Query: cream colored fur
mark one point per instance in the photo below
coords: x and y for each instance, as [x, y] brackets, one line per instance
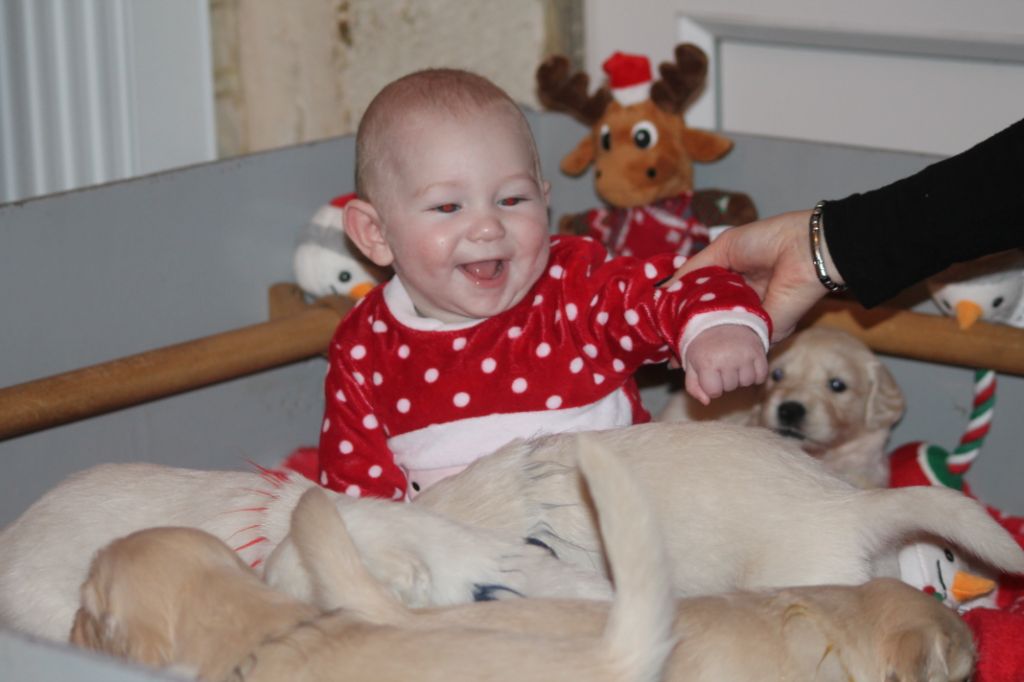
[44, 554]
[375, 637]
[741, 508]
[847, 430]
[136, 605]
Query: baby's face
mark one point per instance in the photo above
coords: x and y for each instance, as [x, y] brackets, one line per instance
[466, 218]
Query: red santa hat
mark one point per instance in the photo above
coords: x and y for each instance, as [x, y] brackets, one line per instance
[629, 76]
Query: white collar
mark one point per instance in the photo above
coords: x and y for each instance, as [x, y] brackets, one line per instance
[400, 304]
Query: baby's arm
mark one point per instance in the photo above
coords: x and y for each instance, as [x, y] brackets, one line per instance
[354, 455]
[723, 358]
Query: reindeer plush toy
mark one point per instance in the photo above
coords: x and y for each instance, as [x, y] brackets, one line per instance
[643, 153]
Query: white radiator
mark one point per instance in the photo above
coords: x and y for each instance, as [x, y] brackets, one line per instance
[90, 88]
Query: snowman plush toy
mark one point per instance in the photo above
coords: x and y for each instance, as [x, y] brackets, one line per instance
[322, 261]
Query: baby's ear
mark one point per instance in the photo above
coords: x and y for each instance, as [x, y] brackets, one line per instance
[363, 226]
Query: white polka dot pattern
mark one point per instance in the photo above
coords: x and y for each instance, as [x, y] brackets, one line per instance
[558, 354]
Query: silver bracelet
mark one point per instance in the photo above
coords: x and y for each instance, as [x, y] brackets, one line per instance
[819, 260]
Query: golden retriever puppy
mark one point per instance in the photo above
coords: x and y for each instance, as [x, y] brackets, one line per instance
[741, 508]
[882, 630]
[212, 615]
[826, 390]
[45, 553]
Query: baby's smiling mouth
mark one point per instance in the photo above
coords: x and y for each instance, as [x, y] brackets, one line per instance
[484, 270]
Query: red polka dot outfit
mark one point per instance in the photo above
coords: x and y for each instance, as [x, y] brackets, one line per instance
[665, 226]
[410, 400]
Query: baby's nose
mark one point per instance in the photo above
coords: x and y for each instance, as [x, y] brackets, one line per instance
[486, 227]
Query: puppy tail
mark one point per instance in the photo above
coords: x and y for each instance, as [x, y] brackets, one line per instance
[900, 513]
[638, 637]
[339, 577]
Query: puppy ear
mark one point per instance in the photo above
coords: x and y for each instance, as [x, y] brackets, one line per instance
[330, 557]
[364, 227]
[86, 631]
[97, 627]
[885, 402]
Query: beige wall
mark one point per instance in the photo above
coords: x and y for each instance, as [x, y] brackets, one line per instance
[291, 72]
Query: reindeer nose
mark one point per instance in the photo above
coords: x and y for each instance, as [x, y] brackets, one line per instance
[791, 413]
[651, 172]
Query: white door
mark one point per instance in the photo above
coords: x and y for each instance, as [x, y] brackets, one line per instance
[917, 75]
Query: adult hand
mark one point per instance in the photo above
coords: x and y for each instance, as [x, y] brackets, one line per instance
[774, 257]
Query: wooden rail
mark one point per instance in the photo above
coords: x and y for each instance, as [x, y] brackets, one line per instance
[298, 331]
[920, 336]
[295, 332]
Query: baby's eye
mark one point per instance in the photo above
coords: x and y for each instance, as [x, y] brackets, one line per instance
[446, 208]
[511, 201]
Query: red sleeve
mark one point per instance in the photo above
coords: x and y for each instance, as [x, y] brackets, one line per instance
[354, 455]
[629, 317]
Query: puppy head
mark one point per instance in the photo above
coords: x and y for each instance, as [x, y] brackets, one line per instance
[826, 388]
[138, 585]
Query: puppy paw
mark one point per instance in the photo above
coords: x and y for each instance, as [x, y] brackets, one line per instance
[919, 638]
[932, 653]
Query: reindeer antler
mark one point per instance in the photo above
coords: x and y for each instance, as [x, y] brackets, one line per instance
[680, 81]
[564, 92]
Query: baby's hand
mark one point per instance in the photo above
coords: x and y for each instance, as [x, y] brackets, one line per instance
[723, 358]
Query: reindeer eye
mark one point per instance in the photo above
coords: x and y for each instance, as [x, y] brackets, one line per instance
[344, 276]
[998, 302]
[645, 134]
[606, 137]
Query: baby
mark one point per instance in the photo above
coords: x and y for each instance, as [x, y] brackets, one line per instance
[492, 329]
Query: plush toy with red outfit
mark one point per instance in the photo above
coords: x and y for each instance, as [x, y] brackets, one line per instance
[325, 264]
[997, 618]
[643, 153]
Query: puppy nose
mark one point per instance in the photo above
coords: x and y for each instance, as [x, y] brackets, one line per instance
[791, 413]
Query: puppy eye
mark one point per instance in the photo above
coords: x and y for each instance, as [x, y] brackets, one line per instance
[344, 276]
[837, 385]
[998, 302]
[949, 555]
[777, 374]
[606, 137]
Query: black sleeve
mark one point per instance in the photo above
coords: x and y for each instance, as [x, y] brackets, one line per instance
[958, 209]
